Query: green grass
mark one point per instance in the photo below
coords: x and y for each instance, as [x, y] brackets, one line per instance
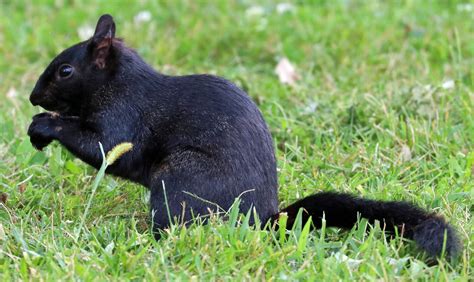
[370, 91]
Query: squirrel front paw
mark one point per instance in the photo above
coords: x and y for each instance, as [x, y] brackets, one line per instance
[43, 129]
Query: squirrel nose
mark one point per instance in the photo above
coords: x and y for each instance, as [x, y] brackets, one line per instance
[35, 98]
[37, 94]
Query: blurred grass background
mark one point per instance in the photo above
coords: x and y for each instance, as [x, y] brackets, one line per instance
[383, 108]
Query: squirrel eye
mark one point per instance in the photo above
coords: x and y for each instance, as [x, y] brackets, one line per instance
[65, 71]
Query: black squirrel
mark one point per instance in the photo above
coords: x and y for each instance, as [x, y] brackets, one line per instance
[200, 136]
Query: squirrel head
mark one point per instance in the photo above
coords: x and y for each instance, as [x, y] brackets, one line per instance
[78, 71]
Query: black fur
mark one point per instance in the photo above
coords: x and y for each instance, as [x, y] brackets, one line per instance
[342, 210]
[199, 135]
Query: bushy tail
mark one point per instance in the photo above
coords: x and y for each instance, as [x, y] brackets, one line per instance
[341, 210]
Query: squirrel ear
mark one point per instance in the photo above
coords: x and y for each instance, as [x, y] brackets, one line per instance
[102, 40]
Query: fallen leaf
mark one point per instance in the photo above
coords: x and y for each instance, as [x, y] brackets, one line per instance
[110, 248]
[33, 272]
[3, 236]
[352, 263]
[284, 7]
[448, 84]
[405, 153]
[465, 7]
[286, 72]
[142, 17]
[22, 188]
[12, 93]
[310, 108]
[397, 263]
[3, 198]
[255, 11]
[85, 32]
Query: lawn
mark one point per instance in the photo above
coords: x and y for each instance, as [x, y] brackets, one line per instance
[383, 108]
